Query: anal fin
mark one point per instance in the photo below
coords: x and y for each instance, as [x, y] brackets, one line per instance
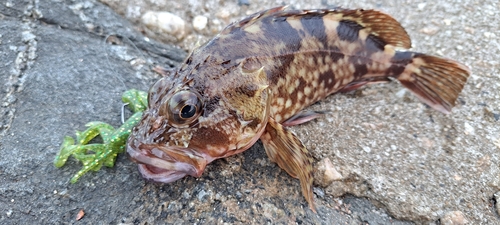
[360, 83]
[284, 148]
[302, 117]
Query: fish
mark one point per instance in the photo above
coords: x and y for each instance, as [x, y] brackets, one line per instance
[256, 77]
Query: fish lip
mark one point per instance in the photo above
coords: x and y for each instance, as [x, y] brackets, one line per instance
[165, 164]
[166, 176]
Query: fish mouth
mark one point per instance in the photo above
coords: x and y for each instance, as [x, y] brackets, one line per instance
[165, 164]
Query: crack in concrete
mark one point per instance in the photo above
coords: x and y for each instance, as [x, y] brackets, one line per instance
[23, 61]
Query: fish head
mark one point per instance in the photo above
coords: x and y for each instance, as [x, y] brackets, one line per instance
[193, 120]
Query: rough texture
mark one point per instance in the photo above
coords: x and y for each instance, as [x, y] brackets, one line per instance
[420, 165]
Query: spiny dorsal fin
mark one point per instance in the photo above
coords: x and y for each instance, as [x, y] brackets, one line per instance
[249, 20]
[381, 25]
[376, 23]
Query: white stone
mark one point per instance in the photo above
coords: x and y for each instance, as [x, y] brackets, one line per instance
[200, 23]
[421, 6]
[454, 218]
[326, 173]
[165, 22]
[469, 130]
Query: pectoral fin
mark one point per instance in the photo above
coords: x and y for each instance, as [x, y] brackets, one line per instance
[284, 148]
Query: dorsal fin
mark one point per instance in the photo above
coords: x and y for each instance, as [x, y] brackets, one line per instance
[375, 23]
[380, 25]
[249, 20]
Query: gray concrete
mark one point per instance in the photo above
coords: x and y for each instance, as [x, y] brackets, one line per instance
[402, 159]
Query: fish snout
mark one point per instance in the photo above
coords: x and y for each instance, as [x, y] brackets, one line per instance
[165, 163]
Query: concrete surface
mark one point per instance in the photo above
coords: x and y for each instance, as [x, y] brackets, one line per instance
[402, 159]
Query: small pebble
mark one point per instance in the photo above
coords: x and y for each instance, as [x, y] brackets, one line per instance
[319, 192]
[497, 199]
[469, 30]
[80, 215]
[421, 6]
[165, 22]
[453, 218]
[469, 130]
[429, 30]
[489, 34]
[201, 194]
[447, 22]
[27, 36]
[186, 195]
[223, 14]
[497, 143]
[10, 99]
[243, 2]
[326, 173]
[200, 23]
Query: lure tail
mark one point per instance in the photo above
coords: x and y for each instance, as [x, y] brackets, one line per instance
[435, 81]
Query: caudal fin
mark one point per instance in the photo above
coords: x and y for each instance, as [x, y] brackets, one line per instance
[435, 81]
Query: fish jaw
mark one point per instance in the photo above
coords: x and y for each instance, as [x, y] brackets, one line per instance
[162, 161]
[153, 174]
[167, 163]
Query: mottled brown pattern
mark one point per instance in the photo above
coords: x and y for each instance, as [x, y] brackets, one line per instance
[209, 134]
[257, 76]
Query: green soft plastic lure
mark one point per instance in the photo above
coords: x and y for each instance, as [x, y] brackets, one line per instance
[94, 155]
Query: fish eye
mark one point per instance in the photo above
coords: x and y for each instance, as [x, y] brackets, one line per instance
[184, 107]
[188, 111]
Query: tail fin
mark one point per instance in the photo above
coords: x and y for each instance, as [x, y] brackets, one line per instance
[435, 81]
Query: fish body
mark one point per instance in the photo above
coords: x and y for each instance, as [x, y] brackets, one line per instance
[257, 76]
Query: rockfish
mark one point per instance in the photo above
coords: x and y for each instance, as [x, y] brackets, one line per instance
[256, 77]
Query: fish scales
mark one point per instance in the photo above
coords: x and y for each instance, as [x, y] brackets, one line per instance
[307, 55]
[257, 76]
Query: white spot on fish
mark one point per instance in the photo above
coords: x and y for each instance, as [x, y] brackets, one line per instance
[307, 91]
[288, 103]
